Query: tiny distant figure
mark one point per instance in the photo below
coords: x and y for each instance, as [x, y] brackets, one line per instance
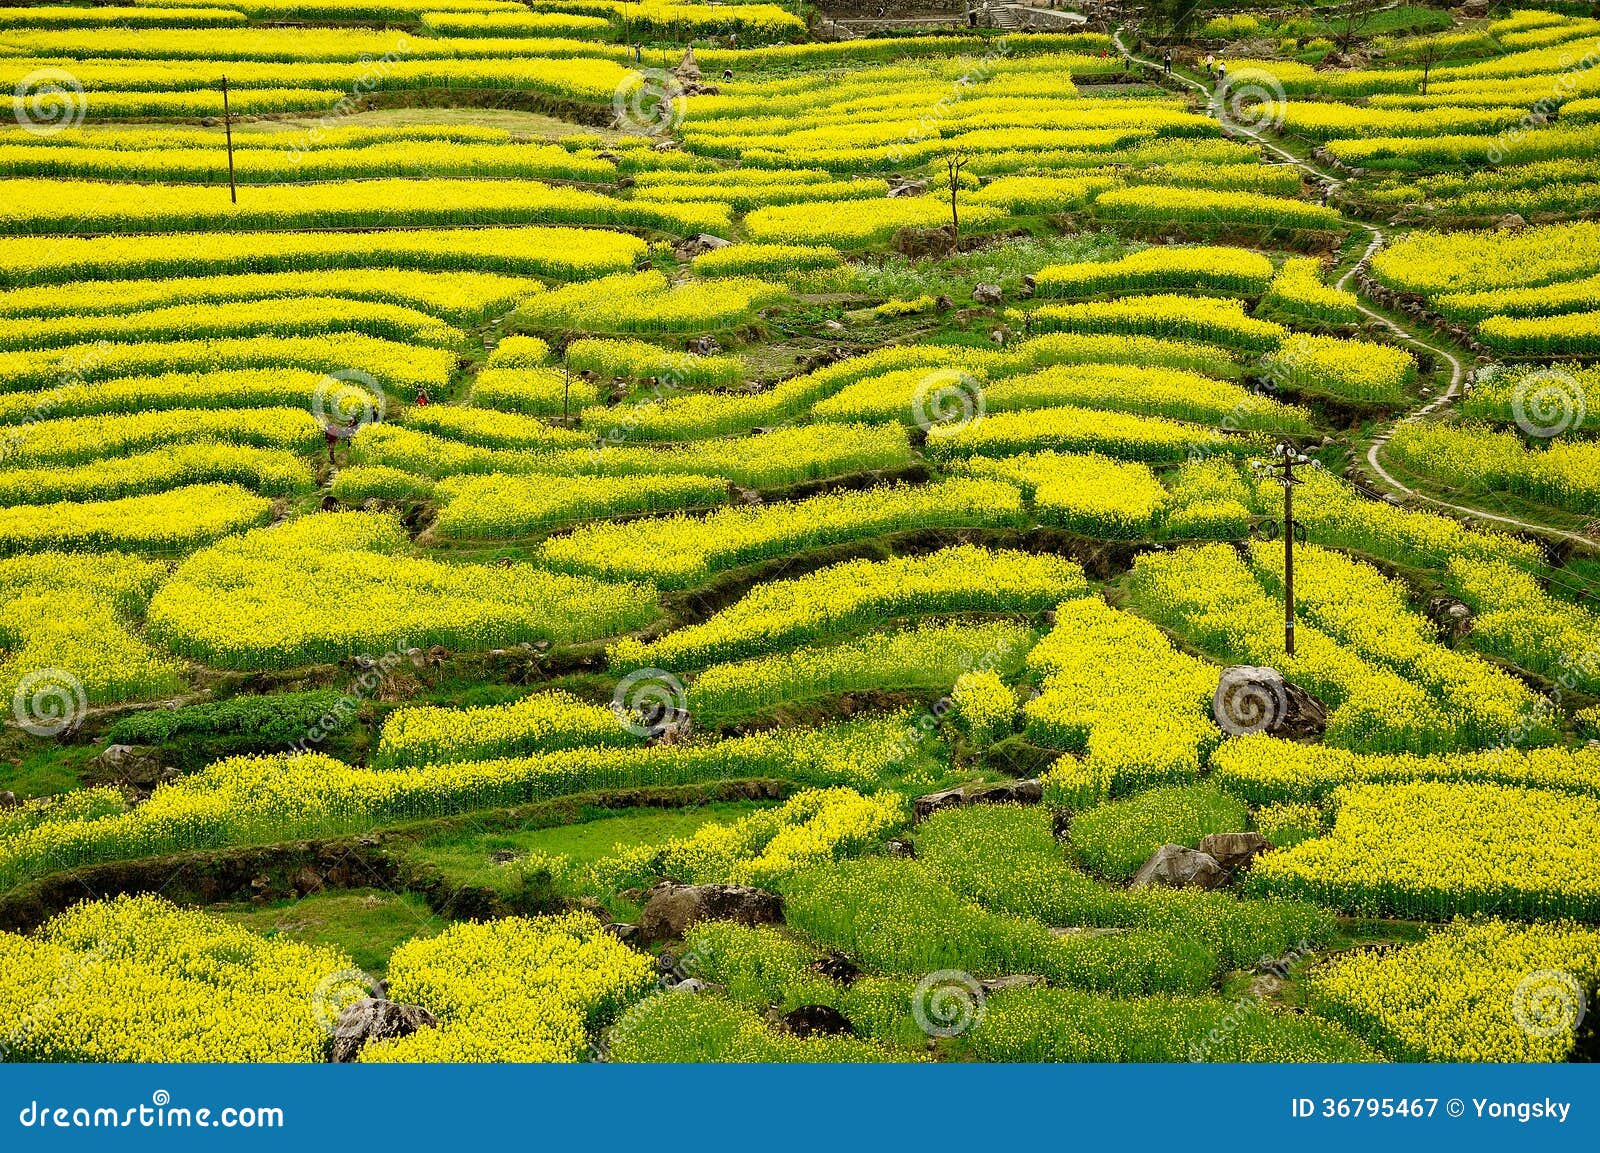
[638, 53]
[727, 75]
[1166, 62]
[972, 18]
[422, 398]
[1211, 62]
[1127, 63]
[1222, 72]
[334, 433]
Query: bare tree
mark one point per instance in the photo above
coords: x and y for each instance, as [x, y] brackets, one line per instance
[1428, 53]
[1353, 19]
[954, 162]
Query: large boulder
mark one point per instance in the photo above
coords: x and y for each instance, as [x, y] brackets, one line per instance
[1255, 699]
[1179, 868]
[816, 1021]
[1234, 851]
[374, 1019]
[1026, 792]
[672, 908]
[1452, 617]
[988, 294]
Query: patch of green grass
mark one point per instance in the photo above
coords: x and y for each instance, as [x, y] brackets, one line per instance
[34, 768]
[368, 924]
[1003, 264]
[467, 857]
[1115, 838]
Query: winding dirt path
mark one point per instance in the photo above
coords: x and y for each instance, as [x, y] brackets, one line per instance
[1379, 238]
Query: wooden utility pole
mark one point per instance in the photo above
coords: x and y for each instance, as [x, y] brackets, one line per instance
[1282, 469]
[227, 130]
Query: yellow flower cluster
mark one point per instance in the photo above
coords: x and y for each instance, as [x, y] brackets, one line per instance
[75, 439]
[1151, 390]
[294, 316]
[679, 551]
[1203, 318]
[1208, 595]
[1298, 291]
[1518, 621]
[94, 642]
[1482, 991]
[390, 363]
[426, 159]
[1479, 460]
[812, 827]
[168, 522]
[858, 595]
[859, 223]
[137, 979]
[264, 600]
[984, 706]
[561, 253]
[641, 360]
[652, 304]
[1087, 493]
[1115, 690]
[37, 207]
[269, 471]
[459, 297]
[1358, 370]
[512, 990]
[261, 800]
[1070, 429]
[538, 723]
[1214, 268]
[1264, 770]
[1205, 209]
[1433, 850]
[931, 656]
[498, 506]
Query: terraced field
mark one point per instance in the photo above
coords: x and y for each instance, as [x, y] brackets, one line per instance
[582, 530]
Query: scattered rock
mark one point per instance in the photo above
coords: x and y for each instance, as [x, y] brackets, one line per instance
[1252, 699]
[1014, 981]
[371, 1019]
[8, 800]
[1024, 792]
[836, 967]
[1452, 617]
[308, 880]
[1475, 9]
[1234, 851]
[672, 908]
[817, 1020]
[691, 985]
[988, 294]
[922, 242]
[1179, 868]
[696, 245]
[900, 847]
[833, 325]
[908, 188]
[1029, 287]
[1510, 222]
[704, 346]
[623, 931]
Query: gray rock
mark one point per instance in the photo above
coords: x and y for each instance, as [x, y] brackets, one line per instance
[1234, 851]
[988, 294]
[1510, 222]
[1453, 618]
[371, 1019]
[1024, 792]
[1256, 699]
[1179, 868]
[672, 908]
